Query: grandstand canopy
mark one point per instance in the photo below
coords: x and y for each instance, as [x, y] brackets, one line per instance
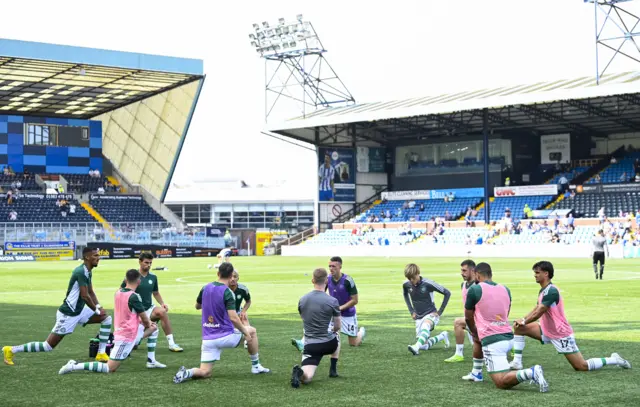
[570, 105]
[62, 81]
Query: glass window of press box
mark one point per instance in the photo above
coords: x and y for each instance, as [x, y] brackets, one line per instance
[241, 216]
[454, 157]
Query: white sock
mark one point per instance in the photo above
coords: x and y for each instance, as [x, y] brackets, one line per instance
[103, 335]
[170, 340]
[477, 366]
[599, 363]
[459, 349]
[152, 340]
[32, 347]
[255, 360]
[518, 346]
[97, 367]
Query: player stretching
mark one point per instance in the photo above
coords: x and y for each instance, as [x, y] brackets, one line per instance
[80, 307]
[147, 289]
[467, 271]
[129, 313]
[242, 293]
[418, 294]
[218, 305]
[599, 246]
[318, 311]
[554, 327]
[223, 256]
[487, 314]
[342, 287]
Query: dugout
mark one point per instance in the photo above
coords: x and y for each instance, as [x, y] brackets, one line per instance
[520, 128]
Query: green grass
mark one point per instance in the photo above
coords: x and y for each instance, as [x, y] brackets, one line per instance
[380, 373]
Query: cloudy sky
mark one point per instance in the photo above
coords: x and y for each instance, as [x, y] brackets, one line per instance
[403, 49]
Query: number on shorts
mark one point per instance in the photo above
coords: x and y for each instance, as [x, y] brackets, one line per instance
[352, 328]
[564, 343]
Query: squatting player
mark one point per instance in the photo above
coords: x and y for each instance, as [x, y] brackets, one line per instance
[554, 327]
[487, 314]
[468, 273]
[418, 295]
[147, 290]
[318, 311]
[80, 307]
[242, 294]
[129, 313]
[342, 287]
[219, 317]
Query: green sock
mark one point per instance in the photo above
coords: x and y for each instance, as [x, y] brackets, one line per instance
[423, 337]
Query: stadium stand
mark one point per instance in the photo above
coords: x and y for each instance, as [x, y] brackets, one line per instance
[43, 210]
[515, 204]
[569, 175]
[80, 183]
[376, 237]
[588, 205]
[27, 183]
[432, 208]
[620, 171]
[129, 209]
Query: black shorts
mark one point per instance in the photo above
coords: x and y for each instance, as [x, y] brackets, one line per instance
[598, 257]
[313, 352]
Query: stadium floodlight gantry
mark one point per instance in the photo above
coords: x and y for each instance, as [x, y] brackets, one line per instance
[145, 102]
[576, 106]
[616, 32]
[292, 50]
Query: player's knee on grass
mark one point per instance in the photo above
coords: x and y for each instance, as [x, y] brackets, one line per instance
[113, 365]
[576, 360]
[205, 370]
[460, 323]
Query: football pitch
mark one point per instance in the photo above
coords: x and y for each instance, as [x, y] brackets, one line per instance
[381, 372]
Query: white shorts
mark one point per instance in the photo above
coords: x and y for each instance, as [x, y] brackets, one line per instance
[495, 356]
[212, 348]
[65, 324]
[121, 350]
[566, 345]
[349, 326]
[435, 320]
[149, 311]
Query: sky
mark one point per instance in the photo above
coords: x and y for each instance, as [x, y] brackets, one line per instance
[401, 49]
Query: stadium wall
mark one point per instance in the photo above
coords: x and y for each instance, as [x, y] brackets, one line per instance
[76, 153]
[452, 250]
[143, 139]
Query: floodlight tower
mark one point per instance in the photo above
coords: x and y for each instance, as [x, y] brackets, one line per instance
[617, 31]
[296, 68]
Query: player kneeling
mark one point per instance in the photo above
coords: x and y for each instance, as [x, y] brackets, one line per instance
[242, 294]
[219, 317]
[129, 313]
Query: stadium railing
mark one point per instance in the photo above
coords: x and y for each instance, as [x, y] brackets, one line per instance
[83, 233]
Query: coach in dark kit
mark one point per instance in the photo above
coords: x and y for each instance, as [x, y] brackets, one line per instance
[317, 309]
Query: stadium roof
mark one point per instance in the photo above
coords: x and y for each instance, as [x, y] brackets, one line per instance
[65, 81]
[570, 105]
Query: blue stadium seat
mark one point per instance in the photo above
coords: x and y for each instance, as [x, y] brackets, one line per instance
[432, 208]
[516, 204]
[613, 174]
[42, 210]
[125, 210]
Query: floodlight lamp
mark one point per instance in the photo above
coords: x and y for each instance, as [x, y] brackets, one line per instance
[260, 35]
[278, 31]
[269, 33]
[292, 44]
[285, 29]
[256, 26]
[252, 36]
[281, 21]
[299, 17]
[254, 44]
[265, 24]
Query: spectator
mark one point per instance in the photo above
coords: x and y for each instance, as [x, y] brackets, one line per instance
[13, 215]
[412, 204]
[421, 209]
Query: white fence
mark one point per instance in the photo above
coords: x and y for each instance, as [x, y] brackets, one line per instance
[539, 251]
